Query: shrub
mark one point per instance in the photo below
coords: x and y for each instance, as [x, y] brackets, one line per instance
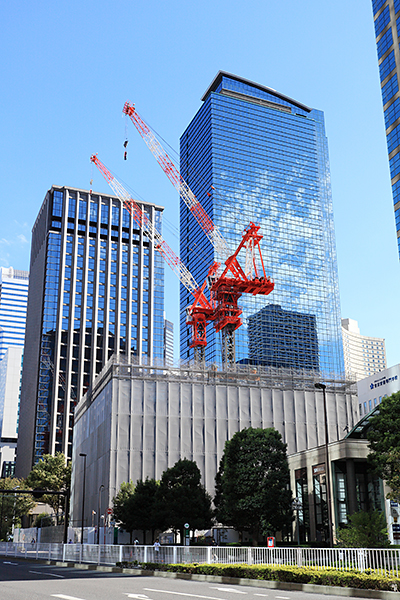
[368, 580]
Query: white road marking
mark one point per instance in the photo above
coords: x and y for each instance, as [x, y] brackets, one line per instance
[263, 595]
[50, 574]
[232, 591]
[139, 596]
[5, 562]
[282, 597]
[182, 594]
[64, 597]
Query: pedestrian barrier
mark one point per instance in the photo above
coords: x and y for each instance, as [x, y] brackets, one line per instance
[383, 561]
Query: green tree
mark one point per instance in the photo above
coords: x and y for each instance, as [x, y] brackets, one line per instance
[144, 508]
[384, 439]
[252, 483]
[120, 505]
[13, 506]
[365, 530]
[183, 499]
[51, 473]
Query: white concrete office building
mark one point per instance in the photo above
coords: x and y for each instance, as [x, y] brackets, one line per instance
[136, 422]
[363, 355]
[13, 302]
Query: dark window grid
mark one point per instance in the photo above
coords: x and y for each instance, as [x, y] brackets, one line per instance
[385, 43]
[389, 89]
[392, 113]
[387, 66]
[393, 139]
[377, 4]
[394, 165]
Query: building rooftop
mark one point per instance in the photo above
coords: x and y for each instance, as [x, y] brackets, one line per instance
[218, 78]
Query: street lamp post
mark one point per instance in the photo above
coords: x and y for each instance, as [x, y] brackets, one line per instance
[101, 488]
[322, 386]
[15, 501]
[297, 505]
[83, 494]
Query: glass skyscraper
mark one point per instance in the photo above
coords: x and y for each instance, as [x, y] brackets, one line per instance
[253, 154]
[13, 301]
[97, 287]
[387, 31]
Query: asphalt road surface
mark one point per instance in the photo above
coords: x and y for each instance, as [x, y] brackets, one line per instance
[20, 580]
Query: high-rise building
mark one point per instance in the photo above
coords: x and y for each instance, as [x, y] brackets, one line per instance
[387, 30]
[252, 154]
[168, 342]
[13, 301]
[10, 387]
[97, 287]
[363, 355]
[283, 339]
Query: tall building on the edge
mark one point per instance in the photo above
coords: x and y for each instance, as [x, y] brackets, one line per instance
[10, 388]
[363, 355]
[252, 154]
[97, 287]
[13, 301]
[387, 31]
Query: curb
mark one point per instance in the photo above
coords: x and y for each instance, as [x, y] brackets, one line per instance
[258, 583]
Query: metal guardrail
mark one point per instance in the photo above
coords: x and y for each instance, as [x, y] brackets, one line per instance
[383, 561]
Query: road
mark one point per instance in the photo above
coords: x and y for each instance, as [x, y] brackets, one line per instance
[20, 580]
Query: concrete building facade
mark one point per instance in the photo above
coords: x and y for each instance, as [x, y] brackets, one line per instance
[136, 422]
[363, 355]
[10, 387]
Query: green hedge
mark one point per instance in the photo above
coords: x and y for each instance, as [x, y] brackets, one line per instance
[368, 580]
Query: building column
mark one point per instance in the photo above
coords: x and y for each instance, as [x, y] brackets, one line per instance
[351, 486]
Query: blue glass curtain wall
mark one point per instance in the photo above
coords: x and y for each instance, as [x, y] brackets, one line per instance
[247, 161]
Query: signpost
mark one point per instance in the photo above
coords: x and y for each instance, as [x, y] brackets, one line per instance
[187, 532]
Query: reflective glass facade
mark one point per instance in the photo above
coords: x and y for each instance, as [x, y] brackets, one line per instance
[99, 287]
[252, 154]
[387, 30]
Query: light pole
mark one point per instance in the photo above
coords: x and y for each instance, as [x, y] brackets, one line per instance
[83, 494]
[15, 501]
[297, 505]
[101, 488]
[322, 386]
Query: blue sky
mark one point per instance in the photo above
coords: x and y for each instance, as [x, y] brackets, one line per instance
[68, 67]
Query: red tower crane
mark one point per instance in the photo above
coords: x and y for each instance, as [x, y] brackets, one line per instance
[227, 287]
[202, 310]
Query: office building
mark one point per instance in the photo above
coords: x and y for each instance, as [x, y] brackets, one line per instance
[373, 388]
[13, 301]
[363, 355]
[136, 422]
[10, 387]
[387, 29]
[281, 338]
[168, 342]
[252, 154]
[97, 287]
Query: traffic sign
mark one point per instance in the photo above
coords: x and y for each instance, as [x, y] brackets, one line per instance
[186, 525]
[109, 511]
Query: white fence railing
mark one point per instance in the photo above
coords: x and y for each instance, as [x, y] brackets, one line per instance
[383, 561]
